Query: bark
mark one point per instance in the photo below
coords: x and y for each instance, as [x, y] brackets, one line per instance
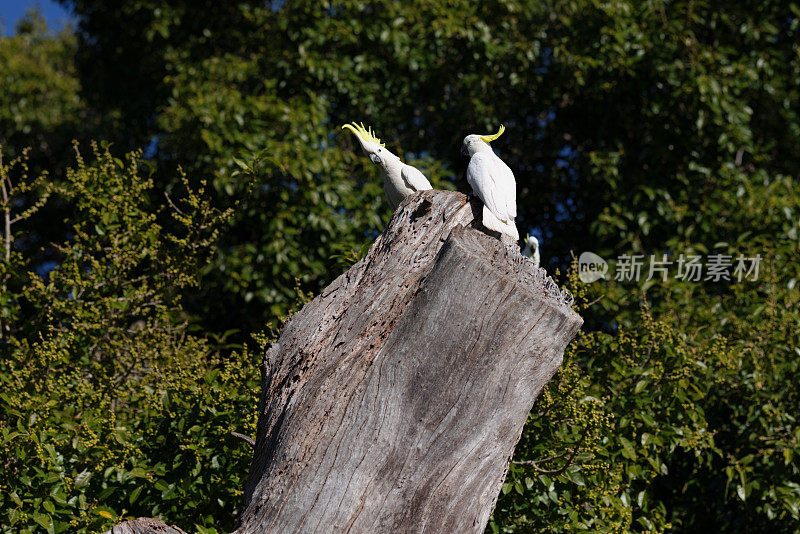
[393, 401]
[144, 525]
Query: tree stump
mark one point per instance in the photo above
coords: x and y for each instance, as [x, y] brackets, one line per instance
[393, 401]
[144, 525]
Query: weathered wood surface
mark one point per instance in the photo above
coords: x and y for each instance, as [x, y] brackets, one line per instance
[393, 401]
[144, 525]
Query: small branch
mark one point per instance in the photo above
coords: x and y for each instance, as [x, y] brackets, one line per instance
[6, 229]
[738, 159]
[250, 441]
[564, 467]
[595, 301]
[6, 214]
[176, 208]
[537, 462]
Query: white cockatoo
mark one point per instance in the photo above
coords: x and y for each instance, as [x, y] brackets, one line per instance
[399, 179]
[532, 249]
[493, 182]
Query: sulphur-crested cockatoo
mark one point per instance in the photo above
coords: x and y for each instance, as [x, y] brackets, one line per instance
[532, 249]
[399, 179]
[493, 182]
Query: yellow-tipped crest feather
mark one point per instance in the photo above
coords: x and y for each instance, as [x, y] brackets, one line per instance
[364, 133]
[490, 138]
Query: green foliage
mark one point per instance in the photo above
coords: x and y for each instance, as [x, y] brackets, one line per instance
[40, 102]
[633, 127]
[750, 398]
[304, 201]
[111, 409]
[16, 186]
[623, 117]
[314, 195]
[605, 429]
[677, 421]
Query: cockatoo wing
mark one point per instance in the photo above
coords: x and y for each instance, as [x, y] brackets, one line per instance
[493, 223]
[414, 178]
[493, 182]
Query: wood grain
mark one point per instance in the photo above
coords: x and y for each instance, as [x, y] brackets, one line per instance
[393, 401]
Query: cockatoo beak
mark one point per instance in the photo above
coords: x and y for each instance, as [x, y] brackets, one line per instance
[464, 150]
[374, 158]
[369, 143]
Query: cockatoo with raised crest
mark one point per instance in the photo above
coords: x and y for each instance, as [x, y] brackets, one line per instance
[399, 180]
[493, 182]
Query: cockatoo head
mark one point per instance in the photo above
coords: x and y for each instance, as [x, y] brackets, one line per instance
[531, 243]
[371, 144]
[476, 143]
[531, 249]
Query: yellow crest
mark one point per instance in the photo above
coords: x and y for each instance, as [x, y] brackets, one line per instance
[490, 138]
[364, 133]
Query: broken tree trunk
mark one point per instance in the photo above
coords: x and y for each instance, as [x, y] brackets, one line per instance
[144, 525]
[393, 401]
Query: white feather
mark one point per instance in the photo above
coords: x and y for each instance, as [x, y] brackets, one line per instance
[493, 182]
[491, 222]
[399, 179]
[414, 178]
